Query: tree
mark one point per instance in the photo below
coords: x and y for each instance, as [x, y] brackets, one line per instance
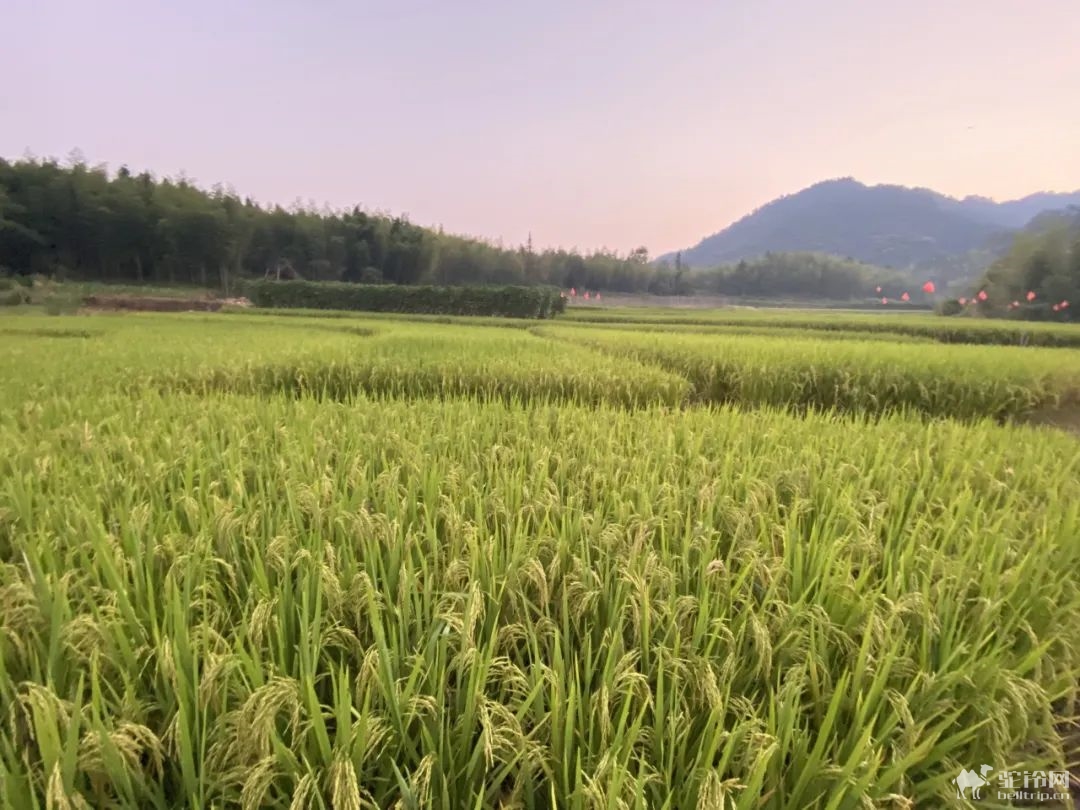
[1045, 262]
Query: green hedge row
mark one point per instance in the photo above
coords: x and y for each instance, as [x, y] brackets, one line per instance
[510, 302]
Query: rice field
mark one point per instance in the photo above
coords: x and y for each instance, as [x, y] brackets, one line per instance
[365, 563]
[861, 376]
[957, 329]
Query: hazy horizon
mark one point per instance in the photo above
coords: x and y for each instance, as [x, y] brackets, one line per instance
[613, 126]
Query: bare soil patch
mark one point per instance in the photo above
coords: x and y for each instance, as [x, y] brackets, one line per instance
[139, 303]
[1067, 419]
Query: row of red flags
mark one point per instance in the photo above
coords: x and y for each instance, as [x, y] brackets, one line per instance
[573, 294]
[929, 288]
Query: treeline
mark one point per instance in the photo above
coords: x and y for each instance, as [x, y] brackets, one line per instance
[802, 276]
[85, 223]
[793, 275]
[1044, 261]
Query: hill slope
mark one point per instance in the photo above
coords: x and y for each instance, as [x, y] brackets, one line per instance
[1018, 213]
[890, 226]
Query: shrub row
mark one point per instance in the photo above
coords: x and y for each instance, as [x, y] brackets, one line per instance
[511, 302]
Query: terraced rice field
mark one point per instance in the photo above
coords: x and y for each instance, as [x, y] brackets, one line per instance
[364, 563]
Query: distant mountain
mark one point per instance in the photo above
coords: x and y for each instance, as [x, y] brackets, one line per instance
[1064, 217]
[890, 226]
[1018, 213]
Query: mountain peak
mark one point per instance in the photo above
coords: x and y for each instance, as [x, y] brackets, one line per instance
[887, 225]
[837, 182]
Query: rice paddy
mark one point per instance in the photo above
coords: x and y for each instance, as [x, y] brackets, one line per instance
[365, 563]
[861, 376]
[958, 329]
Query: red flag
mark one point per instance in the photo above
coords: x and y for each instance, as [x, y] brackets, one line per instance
[982, 295]
[929, 288]
[905, 297]
[1030, 295]
[1063, 304]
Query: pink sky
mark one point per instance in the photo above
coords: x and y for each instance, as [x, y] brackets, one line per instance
[589, 124]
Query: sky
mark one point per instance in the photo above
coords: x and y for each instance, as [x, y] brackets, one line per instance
[586, 123]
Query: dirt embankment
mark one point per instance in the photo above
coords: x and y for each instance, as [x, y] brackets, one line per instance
[139, 303]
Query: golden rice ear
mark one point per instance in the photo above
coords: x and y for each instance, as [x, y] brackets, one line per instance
[304, 794]
[343, 786]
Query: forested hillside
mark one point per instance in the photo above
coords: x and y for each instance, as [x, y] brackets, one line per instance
[802, 276]
[82, 222]
[1039, 278]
